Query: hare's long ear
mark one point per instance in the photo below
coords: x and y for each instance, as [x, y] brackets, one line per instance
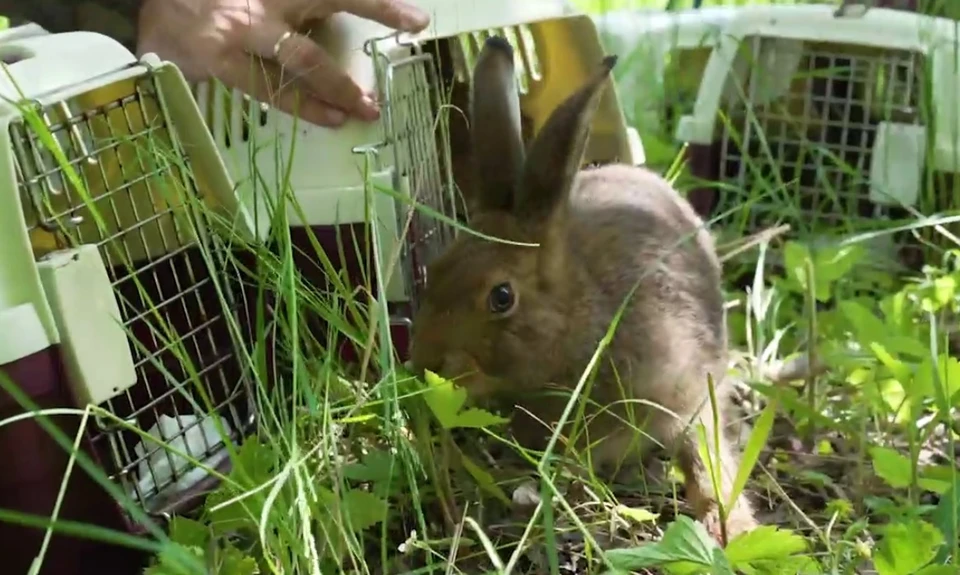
[558, 149]
[495, 125]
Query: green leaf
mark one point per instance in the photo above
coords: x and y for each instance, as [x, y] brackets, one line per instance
[636, 514]
[872, 331]
[866, 326]
[946, 289]
[252, 467]
[751, 452]
[225, 514]
[897, 310]
[364, 509]
[484, 479]
[940, 385]
[908, 345]
[721, 565]
[188, 532]
[829, 264]
[234, 516]
[232, 561]
[445, 401]
[361, 509]
[377, 467]
[795, 256]
[255, 462]
[899, 369]
[896, 470]
[766, 542]
[892, 467]
[906, 548]
[895, 399]
[684, 541]
[938, 570]
[946, 518]
[636, 558]
[813, 477]
[794, 565]
[835, 262]
[478, 418]
[167, 564]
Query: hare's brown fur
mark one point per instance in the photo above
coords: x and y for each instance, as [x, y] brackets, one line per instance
[600, 232]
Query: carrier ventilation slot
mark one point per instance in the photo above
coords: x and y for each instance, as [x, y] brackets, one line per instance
[525, 57]
[798, 139]
[209, 95]
[814, 131]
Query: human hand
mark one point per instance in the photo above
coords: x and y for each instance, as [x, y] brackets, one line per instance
[289, 71]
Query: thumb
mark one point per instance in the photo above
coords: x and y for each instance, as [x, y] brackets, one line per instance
[154, 35]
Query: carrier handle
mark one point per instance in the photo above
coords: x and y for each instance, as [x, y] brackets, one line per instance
[35, 66]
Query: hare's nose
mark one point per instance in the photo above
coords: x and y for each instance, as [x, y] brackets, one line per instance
[433, 364]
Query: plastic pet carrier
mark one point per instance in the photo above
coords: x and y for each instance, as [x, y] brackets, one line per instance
[420, 147]
[833, 121]
[663, 56]
[115, 288]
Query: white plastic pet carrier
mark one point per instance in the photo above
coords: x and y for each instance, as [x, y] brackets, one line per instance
[663, 55]
[420, 146]
[110, 271]
[837, 123]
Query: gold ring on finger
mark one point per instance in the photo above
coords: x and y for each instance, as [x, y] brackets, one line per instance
[279, 44]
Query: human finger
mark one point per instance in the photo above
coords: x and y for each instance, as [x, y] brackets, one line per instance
[314, 67]
[265, 82]
[396, 14]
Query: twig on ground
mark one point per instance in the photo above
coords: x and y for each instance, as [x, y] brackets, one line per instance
[737, 247]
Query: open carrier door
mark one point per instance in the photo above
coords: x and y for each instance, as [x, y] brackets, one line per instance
[117, 294]
[333, 181]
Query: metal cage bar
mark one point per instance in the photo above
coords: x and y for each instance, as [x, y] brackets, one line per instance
[412, 102]
[816, 140]
[132, 194]
[412, 91]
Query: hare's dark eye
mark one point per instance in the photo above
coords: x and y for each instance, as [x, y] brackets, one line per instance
[501, 298]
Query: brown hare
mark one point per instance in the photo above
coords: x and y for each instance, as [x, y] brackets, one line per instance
[505, 321]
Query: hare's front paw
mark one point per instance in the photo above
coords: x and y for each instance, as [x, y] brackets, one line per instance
[737, 523]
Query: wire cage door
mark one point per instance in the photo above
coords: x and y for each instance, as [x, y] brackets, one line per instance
[124, 184]
[802, 148]
[416, 139]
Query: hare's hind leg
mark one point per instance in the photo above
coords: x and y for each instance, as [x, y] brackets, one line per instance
[702, 490]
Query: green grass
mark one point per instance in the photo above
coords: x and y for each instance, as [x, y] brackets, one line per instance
[368, 470]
